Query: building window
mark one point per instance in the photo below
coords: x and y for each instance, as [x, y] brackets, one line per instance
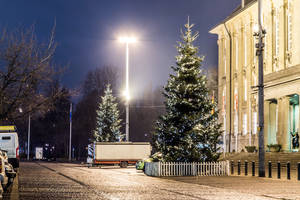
[254, 78]
[245, 124]
[236, 53]
[275, 39]
[276, 36]
[245, 88]
[254, 30]
[245, 48]
[288, 29]
[254, 122]
[224, 57]
[224, 108]
[236, 119]
[266, 49]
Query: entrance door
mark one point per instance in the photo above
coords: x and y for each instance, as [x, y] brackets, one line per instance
[293, 122]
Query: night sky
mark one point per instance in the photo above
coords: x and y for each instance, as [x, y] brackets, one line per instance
[87, 33]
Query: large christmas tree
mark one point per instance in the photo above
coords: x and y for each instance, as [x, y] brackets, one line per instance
[108, 119]
[189, 130]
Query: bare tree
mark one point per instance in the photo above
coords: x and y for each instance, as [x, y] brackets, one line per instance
[144, 112]
[97, 79]
[27, 74]
[85, 112]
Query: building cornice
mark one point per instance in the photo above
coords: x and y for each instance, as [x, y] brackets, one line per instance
[236, 12]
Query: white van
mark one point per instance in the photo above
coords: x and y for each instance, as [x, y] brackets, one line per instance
[9, 142]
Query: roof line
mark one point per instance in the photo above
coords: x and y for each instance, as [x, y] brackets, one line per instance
[235, 13]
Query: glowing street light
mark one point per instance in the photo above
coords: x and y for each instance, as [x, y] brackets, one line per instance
[126, 95]
[127, 41]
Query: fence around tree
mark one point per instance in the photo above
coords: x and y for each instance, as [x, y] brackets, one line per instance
[187, 169]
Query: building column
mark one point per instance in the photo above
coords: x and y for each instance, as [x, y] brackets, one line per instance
[266, 122]
[283, 118]
[299, 116]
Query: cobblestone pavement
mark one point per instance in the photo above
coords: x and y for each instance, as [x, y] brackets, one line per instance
[71, 181]
[276, 189]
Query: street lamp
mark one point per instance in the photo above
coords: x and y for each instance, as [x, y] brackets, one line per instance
[28, 136]
[259, 52]
[127, 41]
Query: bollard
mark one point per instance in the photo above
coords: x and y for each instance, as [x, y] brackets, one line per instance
[253, 168]
[239, 167]
[246, 168]
[270, 169]
[298, 171]
[288, 170]
[278, 170]
[232, 167]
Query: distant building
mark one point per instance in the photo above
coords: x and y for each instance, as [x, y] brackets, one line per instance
[237, 82]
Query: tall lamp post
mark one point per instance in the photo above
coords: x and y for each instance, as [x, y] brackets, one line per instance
[127, 41]
[70, 140]
[28, 138]
[260, 48]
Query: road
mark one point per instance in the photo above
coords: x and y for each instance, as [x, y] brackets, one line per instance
[42, 180]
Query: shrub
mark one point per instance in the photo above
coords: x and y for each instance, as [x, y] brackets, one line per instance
[274, 147]
[250, 149]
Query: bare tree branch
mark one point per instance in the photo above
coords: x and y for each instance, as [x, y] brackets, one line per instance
[26, 73]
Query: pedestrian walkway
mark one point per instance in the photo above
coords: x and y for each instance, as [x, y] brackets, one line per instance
[273, 188]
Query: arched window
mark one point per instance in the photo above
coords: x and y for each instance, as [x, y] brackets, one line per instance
[224, 108]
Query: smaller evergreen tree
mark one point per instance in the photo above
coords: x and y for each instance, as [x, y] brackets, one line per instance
[108, 119]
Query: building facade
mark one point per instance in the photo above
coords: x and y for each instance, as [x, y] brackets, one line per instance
[238, 74]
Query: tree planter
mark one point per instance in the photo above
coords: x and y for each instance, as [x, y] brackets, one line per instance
[274, 147]
[250, 149]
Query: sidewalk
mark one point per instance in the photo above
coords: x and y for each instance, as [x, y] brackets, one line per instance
[274, 188]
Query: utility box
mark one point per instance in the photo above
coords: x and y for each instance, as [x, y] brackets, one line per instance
[39, 153]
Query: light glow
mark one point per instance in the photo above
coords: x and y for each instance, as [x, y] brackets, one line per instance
[127, 39]
[126, 95]
[255, 28]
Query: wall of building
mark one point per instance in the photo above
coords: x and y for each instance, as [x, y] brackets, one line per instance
[281, 69]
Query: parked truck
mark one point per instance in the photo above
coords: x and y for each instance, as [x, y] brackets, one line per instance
[117, 153]
[9, 142]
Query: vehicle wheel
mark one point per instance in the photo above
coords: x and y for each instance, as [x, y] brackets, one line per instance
[123, 164]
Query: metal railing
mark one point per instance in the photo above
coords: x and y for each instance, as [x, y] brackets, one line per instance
[193, 169]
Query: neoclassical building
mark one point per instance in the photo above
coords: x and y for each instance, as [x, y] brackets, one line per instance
[238, 74]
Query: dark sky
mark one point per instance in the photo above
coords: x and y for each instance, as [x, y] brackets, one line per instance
[87, 32]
